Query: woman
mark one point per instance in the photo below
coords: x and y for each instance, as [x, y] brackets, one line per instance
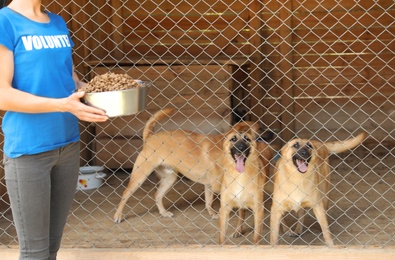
[41, 133]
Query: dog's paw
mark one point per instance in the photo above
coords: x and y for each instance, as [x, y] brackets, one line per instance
[166, 214]
[214, 216]
[117, 219]
[237, 234]
[291, 233]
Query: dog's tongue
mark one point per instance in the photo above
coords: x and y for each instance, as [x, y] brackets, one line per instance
[240, 163]
[302, 166]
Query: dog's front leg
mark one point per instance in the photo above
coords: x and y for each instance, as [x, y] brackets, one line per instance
[223, 222]
[209, 198]
[275, 222]
[258, 223]
[320, 214]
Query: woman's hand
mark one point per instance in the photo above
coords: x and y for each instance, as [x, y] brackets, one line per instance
[82, 111]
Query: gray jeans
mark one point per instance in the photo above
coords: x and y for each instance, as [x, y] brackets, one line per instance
[41, 188]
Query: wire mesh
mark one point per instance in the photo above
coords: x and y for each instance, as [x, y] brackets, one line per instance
[312, 69]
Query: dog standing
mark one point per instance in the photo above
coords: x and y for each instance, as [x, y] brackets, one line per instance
[302, 179]
[168, 153]
[246, 172]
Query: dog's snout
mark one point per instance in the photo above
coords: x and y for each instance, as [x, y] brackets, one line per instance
[304, 153]
[241, 146]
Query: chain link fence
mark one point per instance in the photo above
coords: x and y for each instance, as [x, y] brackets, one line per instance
[313, 69]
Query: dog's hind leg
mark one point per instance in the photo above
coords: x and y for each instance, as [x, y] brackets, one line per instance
[141, 170]
[240, 222]
[286, 228]
[299, 225]
[167, 178]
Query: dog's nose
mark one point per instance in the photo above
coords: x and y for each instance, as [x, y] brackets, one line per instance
[241, 146]
[304, 153]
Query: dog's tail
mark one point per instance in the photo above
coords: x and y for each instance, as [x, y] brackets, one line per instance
[149, 127]
[342, 146]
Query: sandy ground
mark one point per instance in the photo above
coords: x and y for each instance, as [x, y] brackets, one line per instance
[361, 211]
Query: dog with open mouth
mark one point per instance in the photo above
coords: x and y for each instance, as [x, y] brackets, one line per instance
[245, 172]
[196, 156]
[302, 180]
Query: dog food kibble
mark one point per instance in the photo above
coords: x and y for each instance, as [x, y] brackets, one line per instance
[111, 82]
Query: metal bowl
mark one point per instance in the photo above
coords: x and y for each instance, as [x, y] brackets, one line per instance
[121, 102]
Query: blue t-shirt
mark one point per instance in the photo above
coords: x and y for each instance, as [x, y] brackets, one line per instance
[43, 67]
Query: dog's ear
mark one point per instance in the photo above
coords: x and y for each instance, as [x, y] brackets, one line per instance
[265, 136]
[283, 149]
[239, 114]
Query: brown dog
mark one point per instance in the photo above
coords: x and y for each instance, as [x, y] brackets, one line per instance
[168, 153]
[245, 172]
[302, 179]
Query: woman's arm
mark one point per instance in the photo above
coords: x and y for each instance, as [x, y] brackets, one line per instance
[15, 100]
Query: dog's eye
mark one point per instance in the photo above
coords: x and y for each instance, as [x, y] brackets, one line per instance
[247, 139]
[296, 145]
[233, 139]
[309, 146]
